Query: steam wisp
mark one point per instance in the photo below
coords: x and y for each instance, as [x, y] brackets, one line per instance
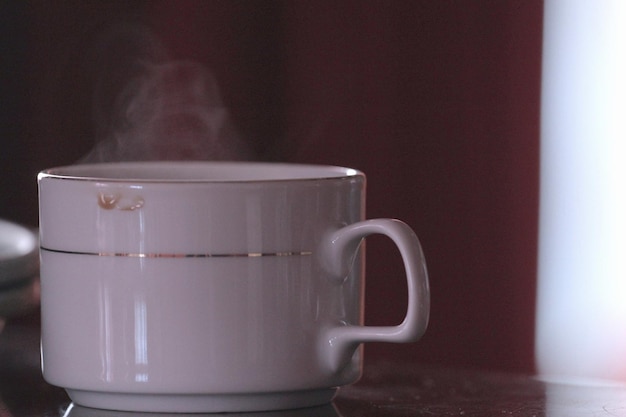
[166, 110]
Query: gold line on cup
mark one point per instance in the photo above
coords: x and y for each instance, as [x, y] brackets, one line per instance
[181, 255]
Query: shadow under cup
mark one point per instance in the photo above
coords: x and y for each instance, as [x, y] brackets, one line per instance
[210, 286]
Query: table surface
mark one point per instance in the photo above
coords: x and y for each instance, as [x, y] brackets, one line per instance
[386, 389]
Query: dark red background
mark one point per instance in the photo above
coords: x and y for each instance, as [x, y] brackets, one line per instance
[437, 101]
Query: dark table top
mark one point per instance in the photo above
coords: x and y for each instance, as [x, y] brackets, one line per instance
[386, 389]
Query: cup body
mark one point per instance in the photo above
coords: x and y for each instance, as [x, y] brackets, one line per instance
[210, 286]
[196, 279]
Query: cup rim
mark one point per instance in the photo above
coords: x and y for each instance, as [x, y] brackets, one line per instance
[168, 172]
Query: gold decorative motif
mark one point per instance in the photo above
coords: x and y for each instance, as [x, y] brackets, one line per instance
[107, 201]
[110, 201]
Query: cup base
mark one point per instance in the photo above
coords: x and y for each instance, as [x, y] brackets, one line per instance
[201, 403]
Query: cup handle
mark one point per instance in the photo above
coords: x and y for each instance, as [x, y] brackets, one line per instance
[340, 342]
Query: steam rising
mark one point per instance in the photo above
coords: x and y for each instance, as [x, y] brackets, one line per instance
[163, 110]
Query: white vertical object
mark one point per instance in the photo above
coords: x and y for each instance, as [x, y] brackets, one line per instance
[581, 305]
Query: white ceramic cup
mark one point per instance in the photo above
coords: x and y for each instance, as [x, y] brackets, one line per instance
[206, 287]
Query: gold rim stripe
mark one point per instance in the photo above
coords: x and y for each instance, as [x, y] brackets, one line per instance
[181, 255]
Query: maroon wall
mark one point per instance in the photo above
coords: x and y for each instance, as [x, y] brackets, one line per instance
[437, 101]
